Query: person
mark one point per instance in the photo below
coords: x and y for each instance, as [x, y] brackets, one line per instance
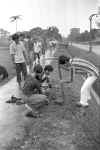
[43, 75]
[48, 69]
[33, 94]
[19, 58]
[37, 51]
[26, 42]
[88, 71]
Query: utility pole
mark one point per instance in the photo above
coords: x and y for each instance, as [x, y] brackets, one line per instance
[90, 42]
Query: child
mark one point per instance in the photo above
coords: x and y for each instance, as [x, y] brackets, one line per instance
[46, 85]
[33, 93]
[43, 76]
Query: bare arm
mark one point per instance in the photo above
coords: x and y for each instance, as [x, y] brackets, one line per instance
[26, 58]
[13, 58]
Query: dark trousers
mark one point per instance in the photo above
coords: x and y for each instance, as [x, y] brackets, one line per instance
[21, 71]
[36, 55]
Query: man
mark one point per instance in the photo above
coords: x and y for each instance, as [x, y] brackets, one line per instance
[19, 58]
[37, 50]
[89, 71]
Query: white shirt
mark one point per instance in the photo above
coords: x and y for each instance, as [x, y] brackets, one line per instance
[17, 50]
[37, 47]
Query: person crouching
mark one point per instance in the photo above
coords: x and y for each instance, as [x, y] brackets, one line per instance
[32, 94]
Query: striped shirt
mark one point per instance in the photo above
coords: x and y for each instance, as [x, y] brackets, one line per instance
[85, 66]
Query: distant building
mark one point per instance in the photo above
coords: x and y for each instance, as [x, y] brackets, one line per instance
[75, 31]
[4, 33]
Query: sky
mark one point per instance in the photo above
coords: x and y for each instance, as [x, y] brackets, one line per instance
[64, 14]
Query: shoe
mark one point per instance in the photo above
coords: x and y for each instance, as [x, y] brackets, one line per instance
[13, 99]
[59, 102]
[20, 102]
[33, 115]
[81, 105]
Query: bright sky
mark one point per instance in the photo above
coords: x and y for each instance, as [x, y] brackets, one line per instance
[64, 14]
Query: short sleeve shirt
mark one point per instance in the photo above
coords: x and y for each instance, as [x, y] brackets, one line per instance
[17, 50]
[37, 47]
[82, 64]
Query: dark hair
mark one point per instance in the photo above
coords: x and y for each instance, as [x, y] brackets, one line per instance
[38, 68]
[63, 59]
[22, 35]
[15, 36]
[48, 68]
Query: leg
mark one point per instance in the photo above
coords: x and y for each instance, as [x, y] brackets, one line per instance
[24, 70]
[18, 72]
[38, 56]
[85, 90]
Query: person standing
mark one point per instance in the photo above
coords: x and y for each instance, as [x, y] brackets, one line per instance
[89, 73]
[37, 51]
[19, 58]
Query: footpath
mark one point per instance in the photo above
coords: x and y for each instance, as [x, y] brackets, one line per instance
[64, 127]
[13, 122]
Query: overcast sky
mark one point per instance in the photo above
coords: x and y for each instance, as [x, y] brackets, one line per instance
[64, 14]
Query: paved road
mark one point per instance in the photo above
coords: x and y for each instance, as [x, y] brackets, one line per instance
[95, 49]
[12, 117]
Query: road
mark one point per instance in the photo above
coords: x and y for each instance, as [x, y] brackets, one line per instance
[12, 117]
[95, 49]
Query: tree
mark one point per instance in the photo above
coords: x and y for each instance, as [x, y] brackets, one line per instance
[15, 19]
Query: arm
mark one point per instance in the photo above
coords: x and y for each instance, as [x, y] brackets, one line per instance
[12, 53]
[26, 58]
[24, 54]
[13, 58]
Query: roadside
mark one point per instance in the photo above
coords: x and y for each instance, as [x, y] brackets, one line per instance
[64, 127]
[95, 48]
[5, 60]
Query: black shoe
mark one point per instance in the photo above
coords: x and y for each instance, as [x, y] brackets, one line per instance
[33, 115]
[13, 99]
[20, 102]
[59, 102]
[80, 105]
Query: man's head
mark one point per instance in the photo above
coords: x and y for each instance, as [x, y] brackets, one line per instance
[48, 69]
[15, 37]
[21, 36]
[63, 60]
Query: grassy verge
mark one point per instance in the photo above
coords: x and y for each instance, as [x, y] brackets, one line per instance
[65, 127]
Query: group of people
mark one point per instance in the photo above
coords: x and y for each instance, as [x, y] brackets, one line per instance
[37, 81]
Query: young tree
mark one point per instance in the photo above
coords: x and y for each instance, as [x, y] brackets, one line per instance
[15, 19]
